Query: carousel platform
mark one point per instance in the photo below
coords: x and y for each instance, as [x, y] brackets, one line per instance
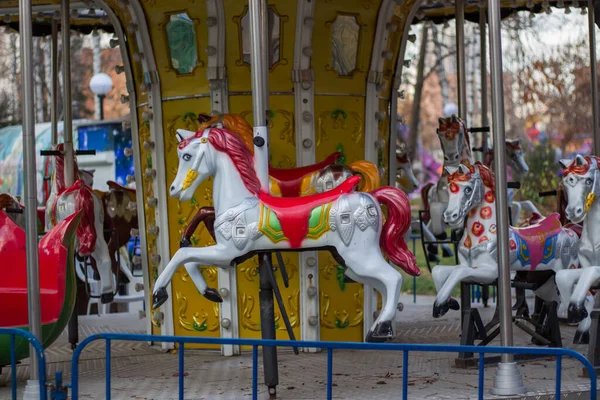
[142, 372]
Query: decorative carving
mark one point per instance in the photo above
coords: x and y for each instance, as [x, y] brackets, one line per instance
[276, 21]
[346, 44]
[181, 40]
[200, 320]
[341, 318]
[340, 122]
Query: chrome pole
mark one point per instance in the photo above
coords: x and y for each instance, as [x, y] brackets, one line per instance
[29, 175]
[259, 101]
[484, 87]
[594, 72]
[460, 59]
[68, 112]
[54, 83]
[508, 380]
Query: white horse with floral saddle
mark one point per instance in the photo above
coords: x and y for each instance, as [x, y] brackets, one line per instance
[250, 220]
[547, 246]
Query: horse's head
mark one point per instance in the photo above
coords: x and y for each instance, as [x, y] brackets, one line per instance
[404, 173]
[87, 175]
[196, 163]
[580, 182]
[514, 156]
[466, 190]
[453, 139]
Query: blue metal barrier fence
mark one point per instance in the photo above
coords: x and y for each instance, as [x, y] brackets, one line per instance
[39, 349]
[330, 346]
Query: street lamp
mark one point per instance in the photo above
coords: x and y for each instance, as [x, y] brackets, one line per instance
[100, 85]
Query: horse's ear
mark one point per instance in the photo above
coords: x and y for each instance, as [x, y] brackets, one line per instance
[565, 162]
[450, 170]
[454, 118]
[463, 169]
[516, 142]
[183, 134]
[442, 121]
[579, 160]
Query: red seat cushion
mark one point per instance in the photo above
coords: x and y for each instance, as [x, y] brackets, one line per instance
[289, 180]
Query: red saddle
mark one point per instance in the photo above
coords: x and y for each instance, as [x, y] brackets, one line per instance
[290, 179]
[547, 227]
[293, 212]
[115, 186]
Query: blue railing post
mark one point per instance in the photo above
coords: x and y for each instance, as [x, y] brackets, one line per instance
[108, 341]
[181, 370]
[254, 372]
[329, 374]
[481, 376]
[558, 375]
[405, 375]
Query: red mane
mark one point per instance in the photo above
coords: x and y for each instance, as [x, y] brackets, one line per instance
[486, 175]
[231, 144]
[59, 172]
[573, 168]
[86, 230]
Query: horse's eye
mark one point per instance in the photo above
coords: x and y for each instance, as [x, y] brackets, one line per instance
[468, 190]
[589, 182]
[187, 157]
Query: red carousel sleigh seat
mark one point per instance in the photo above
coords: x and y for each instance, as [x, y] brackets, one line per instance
[289, 180]
[52, 273]
[293, 212]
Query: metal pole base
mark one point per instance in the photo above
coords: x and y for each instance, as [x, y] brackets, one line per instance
[32, 390]
[508, 380]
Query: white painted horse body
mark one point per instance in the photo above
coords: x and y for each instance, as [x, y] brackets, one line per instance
[64, 201]
[580, 181]
[351, 222]
[542, 247]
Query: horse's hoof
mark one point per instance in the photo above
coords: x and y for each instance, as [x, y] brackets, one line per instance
[184, 242]
[383, 331]
[581, 338]
[159, 297]
[453, 304]
[431, 249]
[447, 253]
[576, 313]
[213, 295]
[106, 298]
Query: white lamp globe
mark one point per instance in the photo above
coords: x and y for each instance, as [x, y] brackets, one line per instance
[101, 84]
[449, 109]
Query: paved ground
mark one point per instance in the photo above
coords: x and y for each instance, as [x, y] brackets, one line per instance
[142, 372]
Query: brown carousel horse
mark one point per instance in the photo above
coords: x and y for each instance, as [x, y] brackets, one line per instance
[13, 208]
[292, 182]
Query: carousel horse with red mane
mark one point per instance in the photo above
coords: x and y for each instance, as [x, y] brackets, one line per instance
[64, 201]
[250, 220]
[582, 186]
[548, 246]
[454, 139]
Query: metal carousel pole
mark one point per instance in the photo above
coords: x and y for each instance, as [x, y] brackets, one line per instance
[508, 380]
[465, 295]
[258, 15]
[29, 166]
[594, 344]
[484, 87]
[54, 82]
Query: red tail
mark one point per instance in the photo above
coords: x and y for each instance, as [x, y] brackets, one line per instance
[425, 201]
[398, 222]
[86, 230]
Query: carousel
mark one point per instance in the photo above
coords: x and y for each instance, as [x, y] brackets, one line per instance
[270, 194]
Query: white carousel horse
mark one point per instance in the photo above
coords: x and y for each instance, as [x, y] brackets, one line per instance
[580, 181]
[547, 246]
[454, 139]
[249, 220]
[64, 201]
[516, 161]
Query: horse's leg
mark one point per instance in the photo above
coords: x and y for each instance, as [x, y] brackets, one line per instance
[440, 274]
[194, 272]
[589, 277]
[104, 265]
[565, 280]
[438, 226]
[482, 275]
[369, 281]
[212, 255]
[582, 335]
[515, 213]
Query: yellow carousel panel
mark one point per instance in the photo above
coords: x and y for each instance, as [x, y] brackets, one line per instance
[192, 313]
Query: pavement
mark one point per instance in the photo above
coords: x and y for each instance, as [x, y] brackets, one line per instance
[143, 372]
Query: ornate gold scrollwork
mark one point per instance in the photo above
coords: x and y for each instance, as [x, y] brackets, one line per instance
[339, 121]
[341, 318]
[200, 321]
